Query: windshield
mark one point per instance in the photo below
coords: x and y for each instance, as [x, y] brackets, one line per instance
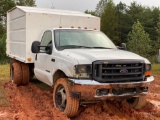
[72, 39]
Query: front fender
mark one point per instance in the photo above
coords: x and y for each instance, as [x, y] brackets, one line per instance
[65, 65]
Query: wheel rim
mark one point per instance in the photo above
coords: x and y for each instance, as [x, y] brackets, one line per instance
[12, 74]
[60, 98]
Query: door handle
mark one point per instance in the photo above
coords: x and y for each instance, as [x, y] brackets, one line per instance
[36, 57]
[53, 60]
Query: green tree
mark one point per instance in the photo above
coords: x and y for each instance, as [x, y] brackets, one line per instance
[3, 57]
[109, 22]
[139, 41]
[5, 5]
[134, 12]
[2, 30]
[122, 28]
[90, 12]
[153, 24]
[100, 7]
[26, 3]
[157, 43]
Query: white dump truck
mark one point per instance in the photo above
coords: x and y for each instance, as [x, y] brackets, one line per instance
[66, 50]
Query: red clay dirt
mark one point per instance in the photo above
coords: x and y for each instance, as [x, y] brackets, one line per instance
[31, 103]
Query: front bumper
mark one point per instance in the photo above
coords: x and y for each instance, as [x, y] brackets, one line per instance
[93, 90]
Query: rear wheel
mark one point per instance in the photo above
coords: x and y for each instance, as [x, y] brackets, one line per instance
[136, 102]
[16, 73]
[63, 99]
[26, 74]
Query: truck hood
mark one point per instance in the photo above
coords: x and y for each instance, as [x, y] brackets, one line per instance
[87, 56]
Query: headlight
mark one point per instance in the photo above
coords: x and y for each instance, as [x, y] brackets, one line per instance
[148, 71]
[83, 71]
[148, 67]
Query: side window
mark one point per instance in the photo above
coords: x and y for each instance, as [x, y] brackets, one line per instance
[46, 39]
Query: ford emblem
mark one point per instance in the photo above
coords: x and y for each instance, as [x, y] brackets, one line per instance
[124, 71]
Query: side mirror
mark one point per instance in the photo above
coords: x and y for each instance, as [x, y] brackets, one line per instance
[49, 49]
[123, 45]
[35, 47]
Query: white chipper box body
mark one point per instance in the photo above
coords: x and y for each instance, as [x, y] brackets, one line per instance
[25, 25]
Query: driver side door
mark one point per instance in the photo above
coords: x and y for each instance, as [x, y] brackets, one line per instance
[43, 61]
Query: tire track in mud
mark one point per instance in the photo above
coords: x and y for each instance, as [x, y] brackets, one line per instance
[31, 103]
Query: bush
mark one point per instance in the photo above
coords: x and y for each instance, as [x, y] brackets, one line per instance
[153, 59]
[3, 57]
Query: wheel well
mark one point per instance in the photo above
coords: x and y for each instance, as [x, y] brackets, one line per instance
[59, 74]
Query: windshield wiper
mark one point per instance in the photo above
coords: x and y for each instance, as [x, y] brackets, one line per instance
[72, 46]
[102, 48]
[78, 46]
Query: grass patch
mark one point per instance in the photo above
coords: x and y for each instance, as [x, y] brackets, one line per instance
[156, 69]
[4, 71]
[4, 77]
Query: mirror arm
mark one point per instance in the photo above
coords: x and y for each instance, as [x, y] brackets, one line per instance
[43, 46]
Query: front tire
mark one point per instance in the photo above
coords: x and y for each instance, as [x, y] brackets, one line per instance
[136, 102]
[63, 99]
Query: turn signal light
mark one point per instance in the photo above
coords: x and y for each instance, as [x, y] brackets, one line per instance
[29, 59]
[148, 73]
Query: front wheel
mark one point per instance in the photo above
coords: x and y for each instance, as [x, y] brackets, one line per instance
[63, 99]
[136, 102]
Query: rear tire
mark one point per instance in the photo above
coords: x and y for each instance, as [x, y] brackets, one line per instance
[25, 73]
[136, 102]
[16, 73]
[63, 99]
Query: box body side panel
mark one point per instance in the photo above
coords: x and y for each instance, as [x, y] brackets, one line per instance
[16, 35]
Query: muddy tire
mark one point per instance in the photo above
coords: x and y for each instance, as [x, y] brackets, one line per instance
[16, 73]
[63, 99]
[25, 73]
[136, 102]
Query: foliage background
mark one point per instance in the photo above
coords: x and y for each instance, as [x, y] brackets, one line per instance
[136, 25]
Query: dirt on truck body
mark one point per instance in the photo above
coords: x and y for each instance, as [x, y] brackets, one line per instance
[31, 103]
[110, 91]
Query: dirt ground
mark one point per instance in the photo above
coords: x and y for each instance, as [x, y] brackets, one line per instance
[31, 103]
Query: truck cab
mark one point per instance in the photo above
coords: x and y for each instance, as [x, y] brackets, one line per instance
[67, 49]
[93, 67]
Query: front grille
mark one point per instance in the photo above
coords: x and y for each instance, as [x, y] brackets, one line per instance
[118, 71]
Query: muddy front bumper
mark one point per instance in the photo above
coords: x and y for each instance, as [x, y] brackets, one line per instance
[93, 90]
